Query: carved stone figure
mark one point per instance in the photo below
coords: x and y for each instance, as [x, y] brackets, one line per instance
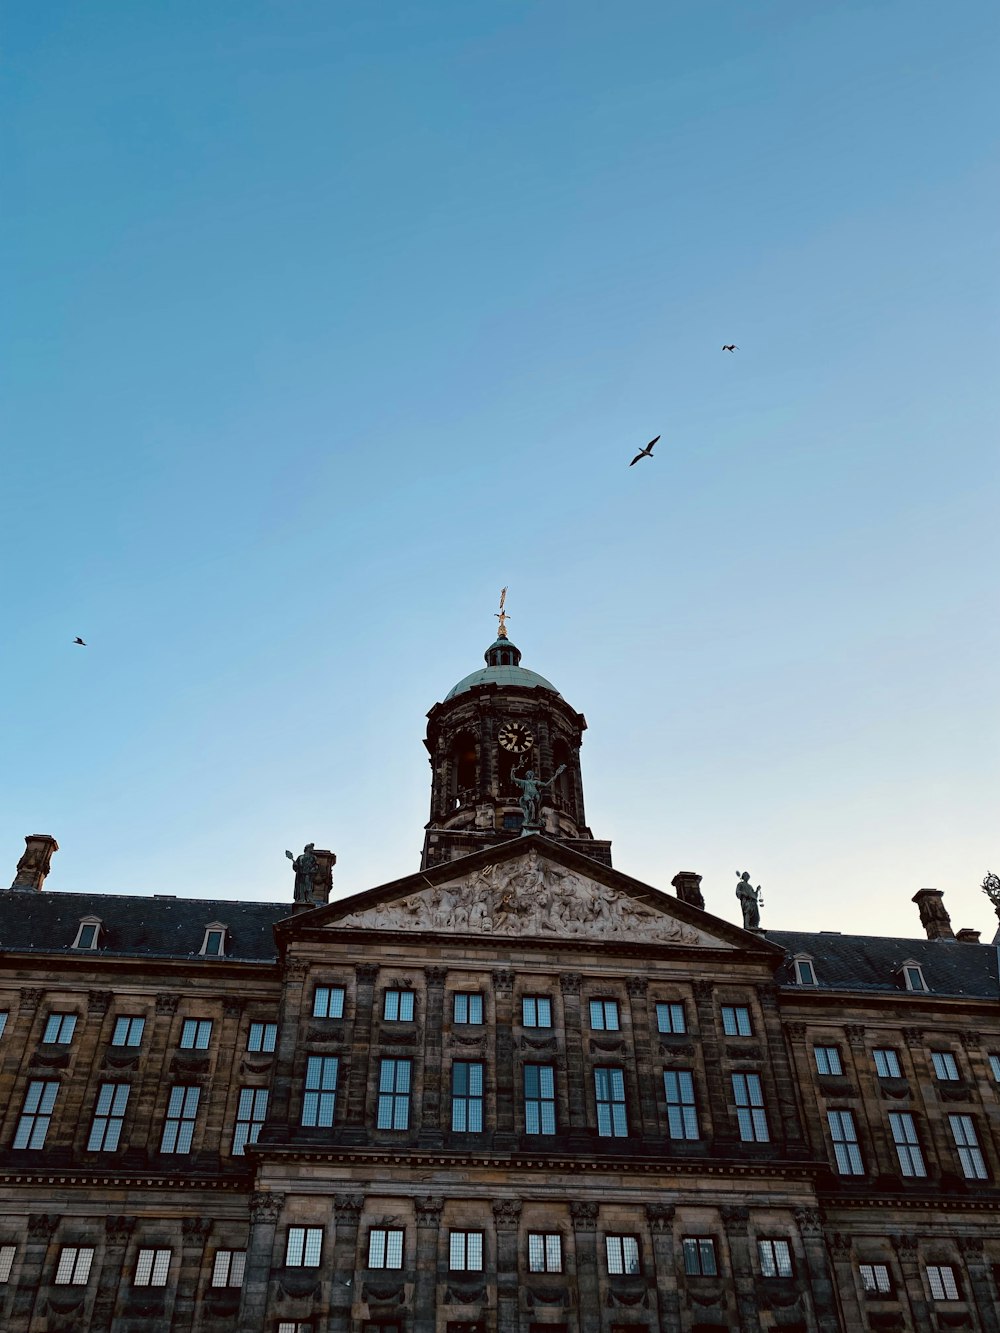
[305, 867]
[750, 900]
[531, 792]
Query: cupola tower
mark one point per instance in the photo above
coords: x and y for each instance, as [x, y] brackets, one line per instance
[504, 749]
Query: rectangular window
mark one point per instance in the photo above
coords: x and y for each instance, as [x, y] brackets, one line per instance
[59, 1029]
[609, 1090]
[875, 1278]
[229, 1267]
[178, 1128]
[544, 1252]
[994, 1063]
[73, 1269]
[128, 1031]
[604, 1016]
[398, 1006]
[536, 1011]
[670, 1018]
[941, 1278]
[887, 1063]
[750, 1113]
[945, 1066]
[3, 1021]
[465, 1251]
[539, 1099]
[320, 1098]
[775, 1258]
[682, 1112]
[36, 1114]
[736, 1020]
[196, 1034]
[385, 1247]
[303, 1247]
[845, 1143]
[468, 1007]
[328, 1002]
[109, 1116]
[301, 1326]
[904, 1136]
[7, 1253]
[828, 1060]
[152, 1268]
[914, 978]
[623, 1253]
[699, 1256]
[805, 973]
[251, 1112]
[262, 1037]
[393, 1095]
[467, 1097]
[970, 1154]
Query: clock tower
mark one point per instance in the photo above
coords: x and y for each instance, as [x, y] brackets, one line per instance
[504, 749]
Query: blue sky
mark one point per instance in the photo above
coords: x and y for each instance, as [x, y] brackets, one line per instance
[324, 321]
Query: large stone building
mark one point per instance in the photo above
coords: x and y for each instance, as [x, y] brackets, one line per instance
[515, 1091]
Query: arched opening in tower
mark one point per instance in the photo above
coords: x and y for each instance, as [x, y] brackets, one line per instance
[562, 788]
[464, 769]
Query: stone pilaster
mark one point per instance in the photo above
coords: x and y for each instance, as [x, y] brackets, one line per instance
[431, 1123]
[41, 1229]
[824, 1297]
[788, 1129]
[291, 1021]
[736, 1220]
[978, 1271]
[569, 984]
[506, 1217]
[346, 1214]
[265, 1209]
[907, 1249]
[841, 1249]
[117, 1231]
[644, 1073]
[357, 1094]
[195, 1232]
[660, 1217]
[503, 990]
[429, 1209]
[723, 1133]
[584, 1215]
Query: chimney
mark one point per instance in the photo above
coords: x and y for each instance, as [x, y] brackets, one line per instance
[933, 916]
[968, 936]
[688, 887]
[34, 864]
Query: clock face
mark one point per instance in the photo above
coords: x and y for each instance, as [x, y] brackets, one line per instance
[516, 737]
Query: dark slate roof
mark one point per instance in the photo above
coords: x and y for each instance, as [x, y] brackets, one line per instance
[871, 962]
[135, 926]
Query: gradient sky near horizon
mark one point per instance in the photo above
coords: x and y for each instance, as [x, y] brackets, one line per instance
[323, 321]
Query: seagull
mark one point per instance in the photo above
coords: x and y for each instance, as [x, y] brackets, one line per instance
[644, 453]
[80, 642]
[730, 347]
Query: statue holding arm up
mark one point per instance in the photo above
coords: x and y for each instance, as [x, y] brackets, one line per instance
[531, 791]
[305, 866]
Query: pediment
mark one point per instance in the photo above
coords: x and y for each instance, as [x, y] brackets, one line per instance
[537, 892]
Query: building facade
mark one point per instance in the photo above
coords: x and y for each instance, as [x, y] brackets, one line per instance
[515, 1092]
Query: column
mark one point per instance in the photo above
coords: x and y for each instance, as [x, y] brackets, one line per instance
[357, 1092]
[41, 1228]
[660, 1217]
[194, 1233]
[736, 1220]
[980, 1291]
[912, 1294]
[154, 1076]
[431, 1124]
[265, 1209]
[642, 1058]
[503, 990]
[86, 1040]
[584, 1217]
[290, 1020]
[506, 1217]
[569, 984]
[723, 1134]
[19, 1049]
[429, 1210]
[824, 1297]
[841, 1247]
[346, 1212]
[789, 1122]
[117, 1231]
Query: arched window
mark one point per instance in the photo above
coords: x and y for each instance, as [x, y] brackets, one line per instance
[563, 786]
[464, 768]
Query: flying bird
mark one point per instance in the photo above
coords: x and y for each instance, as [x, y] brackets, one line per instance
[80, 642]
[644, 453]
[730, 347]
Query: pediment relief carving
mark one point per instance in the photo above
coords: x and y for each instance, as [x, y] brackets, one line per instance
[529, 896]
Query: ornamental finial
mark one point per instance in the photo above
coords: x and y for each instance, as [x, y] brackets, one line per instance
[501, 615]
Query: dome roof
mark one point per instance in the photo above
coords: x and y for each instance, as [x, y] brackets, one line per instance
[502, 668]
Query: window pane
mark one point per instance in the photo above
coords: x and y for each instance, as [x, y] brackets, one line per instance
[670, 1018]
[887, 1063]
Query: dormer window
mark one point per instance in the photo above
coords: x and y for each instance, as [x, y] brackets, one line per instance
[88, 933]
[214, 943]
[913, 976]
[805, 973]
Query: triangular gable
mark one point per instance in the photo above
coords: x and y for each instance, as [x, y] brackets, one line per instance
[530, 888]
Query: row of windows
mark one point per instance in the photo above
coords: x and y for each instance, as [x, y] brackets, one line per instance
[196, 1033]
[90, 929]
[909, 975]
[887, 1063]
[847, 1150]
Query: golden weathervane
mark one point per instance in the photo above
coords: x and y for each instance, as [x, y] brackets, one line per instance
[501, 615]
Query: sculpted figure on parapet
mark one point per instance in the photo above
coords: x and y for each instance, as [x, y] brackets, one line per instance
[526, 896]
